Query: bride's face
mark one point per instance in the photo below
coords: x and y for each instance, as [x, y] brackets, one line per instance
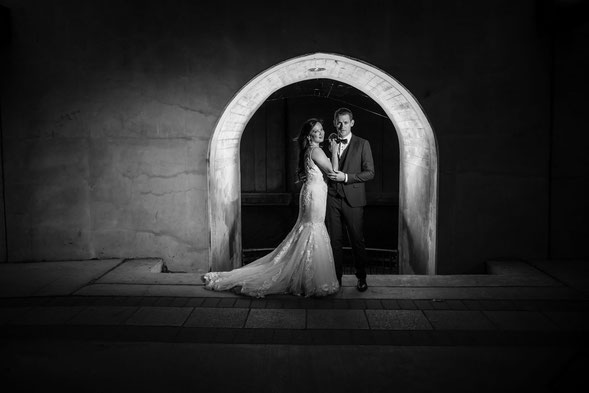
[317, 134]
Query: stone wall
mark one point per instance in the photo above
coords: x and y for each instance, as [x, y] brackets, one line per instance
[109, 107]
[4, 41]
[570, 137]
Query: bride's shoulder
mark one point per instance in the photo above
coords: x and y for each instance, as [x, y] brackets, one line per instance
[316, 152]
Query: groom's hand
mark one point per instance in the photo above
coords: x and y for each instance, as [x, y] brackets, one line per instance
[338, 177]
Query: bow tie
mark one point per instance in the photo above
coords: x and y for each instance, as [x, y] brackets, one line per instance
[343, 141]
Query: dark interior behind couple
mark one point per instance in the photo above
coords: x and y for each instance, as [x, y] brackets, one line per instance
[309, 261]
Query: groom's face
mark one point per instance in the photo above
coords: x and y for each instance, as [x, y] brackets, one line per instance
[344, 125]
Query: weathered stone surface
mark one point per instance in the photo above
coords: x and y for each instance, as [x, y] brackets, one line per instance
[106, 131]
[520, 320]
[336, 319]
[47, 315]
[217, 317]
[50, 278]
[397, 320]
[276, 319]
[159, 316]
[458, 320]
[113, 315]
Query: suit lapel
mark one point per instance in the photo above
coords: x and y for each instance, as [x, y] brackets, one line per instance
[346, 152]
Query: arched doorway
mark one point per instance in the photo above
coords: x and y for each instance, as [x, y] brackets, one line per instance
[268, 164]
[418, 178]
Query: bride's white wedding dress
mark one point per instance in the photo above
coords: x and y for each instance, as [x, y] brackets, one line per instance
[302, 264]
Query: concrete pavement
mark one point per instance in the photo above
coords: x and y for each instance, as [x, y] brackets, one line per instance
[100, 325]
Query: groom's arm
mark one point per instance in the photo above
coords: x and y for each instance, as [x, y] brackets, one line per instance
[367, 165]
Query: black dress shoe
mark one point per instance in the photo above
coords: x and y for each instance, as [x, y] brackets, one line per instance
[361, 286]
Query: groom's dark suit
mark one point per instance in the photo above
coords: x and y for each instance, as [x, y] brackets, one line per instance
[345, 204]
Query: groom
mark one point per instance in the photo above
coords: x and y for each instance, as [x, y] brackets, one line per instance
[346, 196]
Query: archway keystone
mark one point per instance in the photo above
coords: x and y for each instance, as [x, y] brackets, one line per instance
[418, 178]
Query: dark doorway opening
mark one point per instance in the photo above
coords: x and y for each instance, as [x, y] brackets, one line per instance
[268, 158]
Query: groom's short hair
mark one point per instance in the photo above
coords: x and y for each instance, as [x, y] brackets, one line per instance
[343, 111]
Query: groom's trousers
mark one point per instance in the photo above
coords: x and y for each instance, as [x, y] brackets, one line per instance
[343, 219]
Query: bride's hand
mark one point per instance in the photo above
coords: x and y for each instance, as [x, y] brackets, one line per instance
[333, 145]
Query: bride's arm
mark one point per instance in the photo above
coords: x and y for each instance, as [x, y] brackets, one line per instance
[323, 162]
[334, 156]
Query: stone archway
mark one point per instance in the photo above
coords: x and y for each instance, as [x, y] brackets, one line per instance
[418, 178]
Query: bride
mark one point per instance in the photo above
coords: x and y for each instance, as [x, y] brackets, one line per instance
[303, 263]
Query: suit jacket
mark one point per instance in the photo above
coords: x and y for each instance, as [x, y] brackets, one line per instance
[357, 162]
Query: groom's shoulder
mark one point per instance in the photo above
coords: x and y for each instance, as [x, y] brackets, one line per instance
[360, 139]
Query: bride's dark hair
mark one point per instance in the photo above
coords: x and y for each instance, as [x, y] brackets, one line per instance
[303, 142]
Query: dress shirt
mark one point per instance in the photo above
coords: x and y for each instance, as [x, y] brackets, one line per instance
[341, 148]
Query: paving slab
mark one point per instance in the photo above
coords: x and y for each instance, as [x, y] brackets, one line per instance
[506, 274]
[458, 320]
[103, 315]
[569, 320]
[10, 315]
[59, 315]
[536, 278]
[159, 316]
[539, 292]
[184, 290]
[573, 273]
[514, 268]
[147, 271]
[520, 320]
[138, 278]
[113, 290]
[150, 290]
[398, 320]
[336, 319]
[374, 292]
[276, 319]
[50, 278]
[217, 317]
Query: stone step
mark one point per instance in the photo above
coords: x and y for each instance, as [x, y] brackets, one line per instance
[503, 274]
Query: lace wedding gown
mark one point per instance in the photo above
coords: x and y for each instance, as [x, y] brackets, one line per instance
[302, 264]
